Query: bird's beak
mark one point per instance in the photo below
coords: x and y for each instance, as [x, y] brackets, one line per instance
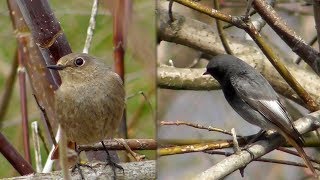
[56, 67]
[205, 73]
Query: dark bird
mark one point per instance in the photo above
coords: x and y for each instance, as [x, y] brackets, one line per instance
[253, 98]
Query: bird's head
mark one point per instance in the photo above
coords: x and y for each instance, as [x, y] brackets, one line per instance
[220, 66]
[77, 67]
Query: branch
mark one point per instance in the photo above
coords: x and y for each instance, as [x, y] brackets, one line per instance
[266, 49]
[288, 35]
[132, 170]
[134, 144]
[8, 88]
[258, 149]
[276, 161]
[200, 36]
[91, 27]
[13, 156]
[316, 12]
[192, 79]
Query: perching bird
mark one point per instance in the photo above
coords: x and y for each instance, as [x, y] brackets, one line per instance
[90, 101]
[253, 98]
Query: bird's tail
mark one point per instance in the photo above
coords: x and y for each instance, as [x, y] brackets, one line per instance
[301, 153]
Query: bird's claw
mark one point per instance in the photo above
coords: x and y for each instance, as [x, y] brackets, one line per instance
[77, 166]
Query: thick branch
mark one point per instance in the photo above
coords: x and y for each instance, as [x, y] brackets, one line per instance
[133, 170]
[258, 149]
[192, 79]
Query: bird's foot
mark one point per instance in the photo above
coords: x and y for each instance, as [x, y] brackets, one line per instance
[114, 166]
[255, 138]
[111, 163]
[77, 166]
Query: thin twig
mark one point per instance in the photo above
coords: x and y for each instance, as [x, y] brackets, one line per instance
[316, 12]
[263, 159]
[311, 43]
[136, 156]
[266, 49]
[221, 31]
[49, 163]
[113, 144]
[91, 27]
[236, 147]
[45, 116]
[288, 35]
[8, 88]
[174, 150]
[45, 145]
[145, 98]
[283, 149]
[140, 109]
[23, 100]
[36, 145]
[198, 126]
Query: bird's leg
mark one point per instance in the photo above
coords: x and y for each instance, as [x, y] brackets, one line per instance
[78, 164]
[110, 162]
[252, 140]
[171, 19]
[255, 138]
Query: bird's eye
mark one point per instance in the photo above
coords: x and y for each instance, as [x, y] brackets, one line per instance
[79, 61]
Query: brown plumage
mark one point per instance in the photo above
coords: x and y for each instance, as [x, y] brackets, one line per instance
[91, 99]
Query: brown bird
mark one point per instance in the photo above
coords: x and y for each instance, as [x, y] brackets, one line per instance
[90, 101]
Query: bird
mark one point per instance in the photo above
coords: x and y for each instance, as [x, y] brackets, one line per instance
[254, 99]
[90, 100]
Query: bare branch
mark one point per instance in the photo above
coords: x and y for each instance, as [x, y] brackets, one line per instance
[258, 149]
[132, 170]
[192, 79]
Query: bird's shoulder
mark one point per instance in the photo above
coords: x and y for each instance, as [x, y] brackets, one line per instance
[252, 85]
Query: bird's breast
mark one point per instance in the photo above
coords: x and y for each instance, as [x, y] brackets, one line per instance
[88, 112]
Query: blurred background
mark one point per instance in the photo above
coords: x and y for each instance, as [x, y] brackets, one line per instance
[209, 108]
[74, 19]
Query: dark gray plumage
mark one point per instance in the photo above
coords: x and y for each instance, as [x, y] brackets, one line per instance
[253, 98]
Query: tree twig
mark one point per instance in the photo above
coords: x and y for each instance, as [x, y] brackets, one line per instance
[13, 156]
[258, 149]
[134, 144]
[22, 58]
[8, 88]
[198, 126]
[269, 160]
[196, 35]
[266, 49]
[36, 145]
[222, 35]
[288, 35]
[91, 27]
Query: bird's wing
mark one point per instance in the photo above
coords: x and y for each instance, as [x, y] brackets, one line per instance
[261, 97]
